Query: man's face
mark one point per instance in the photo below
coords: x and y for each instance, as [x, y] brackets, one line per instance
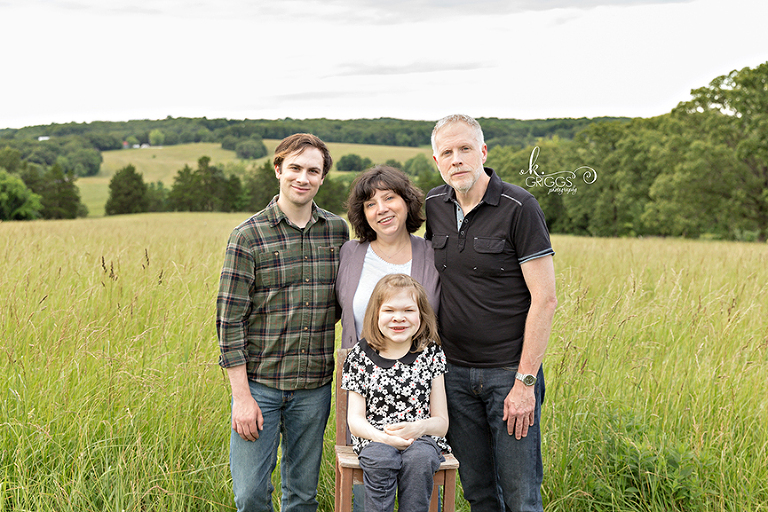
[301, 176]
[459, 156]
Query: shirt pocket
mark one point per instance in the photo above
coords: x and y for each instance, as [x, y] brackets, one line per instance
[440, 246]
[277, 270]
[326, 263]
[491, 258]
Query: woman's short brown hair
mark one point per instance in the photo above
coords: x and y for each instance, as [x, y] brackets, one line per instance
[382, 177]
[384, 289]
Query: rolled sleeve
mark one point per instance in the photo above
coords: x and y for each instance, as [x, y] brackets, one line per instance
[233, 304]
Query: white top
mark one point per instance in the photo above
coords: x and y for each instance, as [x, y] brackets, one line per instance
[374, 268]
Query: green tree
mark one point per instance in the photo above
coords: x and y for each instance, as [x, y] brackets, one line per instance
[60, 196]
[260, 186]
[156, 137]
[233, 198]
[17, 202]
[353, 163]
[250, 149]
[229, 142]
[205, 189]
[546, 158]
[418, 164]
[127, 193]
[85, 161]
[332, 194]
[157, 197]
[394, 163]
[104, 141]
[732, 115]
[10, 159]
[185, 191]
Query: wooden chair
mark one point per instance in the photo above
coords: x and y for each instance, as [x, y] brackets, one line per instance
[348, 470]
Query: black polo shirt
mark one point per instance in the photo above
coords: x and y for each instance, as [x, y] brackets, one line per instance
[484, 300]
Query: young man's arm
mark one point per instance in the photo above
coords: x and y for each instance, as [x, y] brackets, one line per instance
[246, 414]
[233, 308]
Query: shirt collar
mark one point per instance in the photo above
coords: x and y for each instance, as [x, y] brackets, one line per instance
[276, 215]
[383, 362]
[492, 194]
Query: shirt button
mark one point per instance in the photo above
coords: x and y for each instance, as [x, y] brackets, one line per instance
[307, 280]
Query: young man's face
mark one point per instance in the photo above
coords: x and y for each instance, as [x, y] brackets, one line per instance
[301, 176]
[459, 156]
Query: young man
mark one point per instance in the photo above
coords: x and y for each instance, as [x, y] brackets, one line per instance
[497, 303]
[276, 311]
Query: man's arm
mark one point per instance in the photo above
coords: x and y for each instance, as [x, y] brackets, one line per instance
[246, 414]
[233, 306]
[520, 404]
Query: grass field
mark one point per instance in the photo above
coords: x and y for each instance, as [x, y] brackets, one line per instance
[112, 399]
[162, 163]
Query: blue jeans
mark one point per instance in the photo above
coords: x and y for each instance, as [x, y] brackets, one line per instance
[498, 472]
[408, 473]
[299, 417]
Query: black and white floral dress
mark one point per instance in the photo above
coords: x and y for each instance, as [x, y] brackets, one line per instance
[394, 390]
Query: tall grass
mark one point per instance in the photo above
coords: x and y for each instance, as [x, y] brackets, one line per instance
[657, 387]
[111, 397]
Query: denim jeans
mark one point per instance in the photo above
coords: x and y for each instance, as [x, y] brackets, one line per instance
[299, 417]
[498, 472]
[408, 473]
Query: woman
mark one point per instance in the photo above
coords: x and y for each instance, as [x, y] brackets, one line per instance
[384, 209]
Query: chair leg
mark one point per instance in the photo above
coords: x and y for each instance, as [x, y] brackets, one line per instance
[433, 501]
[345, 500]
[449, 492]
[337, 490]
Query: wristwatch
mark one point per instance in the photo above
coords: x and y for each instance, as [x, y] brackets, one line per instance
[526, 378]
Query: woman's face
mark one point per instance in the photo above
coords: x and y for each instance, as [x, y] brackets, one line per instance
[386, 213]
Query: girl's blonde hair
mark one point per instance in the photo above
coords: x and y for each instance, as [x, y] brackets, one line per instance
[386, 288]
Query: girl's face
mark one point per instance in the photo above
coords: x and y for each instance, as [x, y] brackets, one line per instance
[399, 317]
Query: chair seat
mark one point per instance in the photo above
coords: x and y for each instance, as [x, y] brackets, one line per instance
[348, 459]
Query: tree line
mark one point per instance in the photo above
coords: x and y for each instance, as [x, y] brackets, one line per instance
[108, 135]
[699, 171]
[39, 165]
[210, 188]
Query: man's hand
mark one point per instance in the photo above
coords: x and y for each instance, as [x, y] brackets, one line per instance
[247, 419]
[519, 407]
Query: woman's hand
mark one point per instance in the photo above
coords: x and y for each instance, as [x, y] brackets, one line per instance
[393, 440]
[406, 430]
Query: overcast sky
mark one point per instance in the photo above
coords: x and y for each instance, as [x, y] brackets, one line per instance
[87, 60]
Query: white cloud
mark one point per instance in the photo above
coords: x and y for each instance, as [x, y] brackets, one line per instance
[87, 60]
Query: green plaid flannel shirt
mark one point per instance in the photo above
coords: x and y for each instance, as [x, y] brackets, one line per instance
[276, 307]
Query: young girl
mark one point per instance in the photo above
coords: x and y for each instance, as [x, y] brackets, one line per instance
[397, 410]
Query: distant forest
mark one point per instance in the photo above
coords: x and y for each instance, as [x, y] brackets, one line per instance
[699, 171]
[108, 135]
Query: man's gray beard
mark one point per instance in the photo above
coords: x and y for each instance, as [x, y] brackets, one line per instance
[466, 188]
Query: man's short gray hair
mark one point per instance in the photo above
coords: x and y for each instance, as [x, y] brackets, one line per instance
[457, 118]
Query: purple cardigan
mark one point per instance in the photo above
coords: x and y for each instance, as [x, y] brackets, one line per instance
[351, 261]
